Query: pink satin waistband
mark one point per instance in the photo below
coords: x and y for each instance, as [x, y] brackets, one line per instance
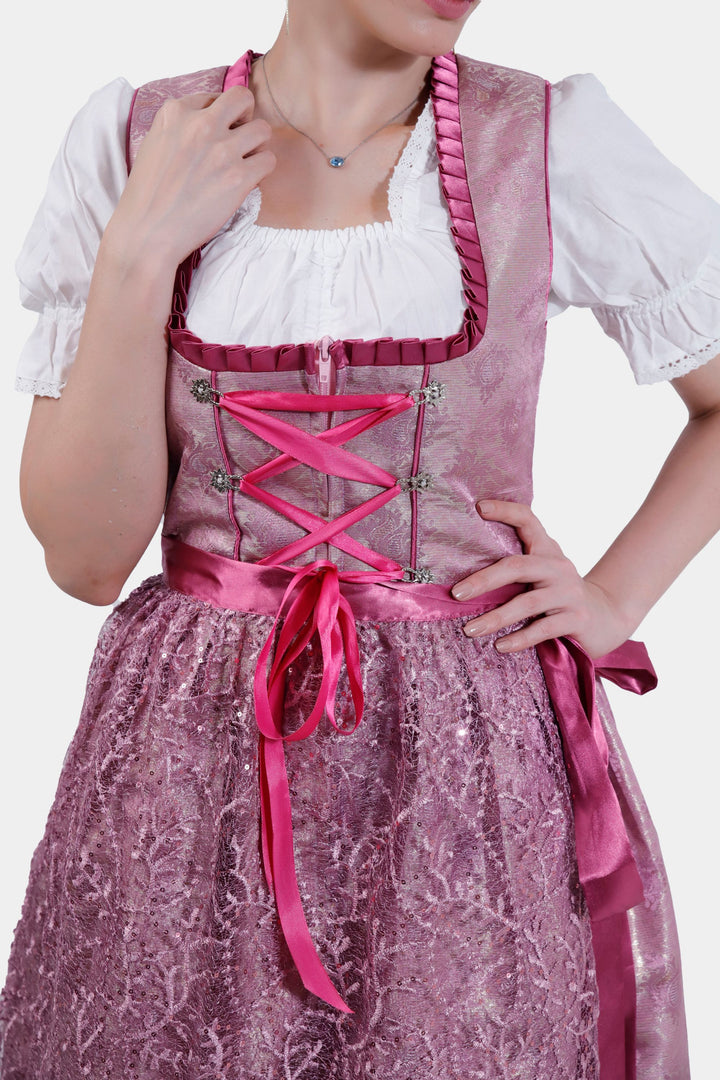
[251, 587]
[318, 599]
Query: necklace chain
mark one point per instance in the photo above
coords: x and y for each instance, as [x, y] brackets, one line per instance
[335, 160]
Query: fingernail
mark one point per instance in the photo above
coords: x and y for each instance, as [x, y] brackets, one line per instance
[501, 645]
[460, 592]
[485, 507]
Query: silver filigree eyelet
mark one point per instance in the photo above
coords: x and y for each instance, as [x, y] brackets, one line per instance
[418, 575]
[420, 482]
[432, 394]
[224, 481]
[204, 392]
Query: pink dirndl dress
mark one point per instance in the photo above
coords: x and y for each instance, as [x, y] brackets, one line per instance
[306, 828]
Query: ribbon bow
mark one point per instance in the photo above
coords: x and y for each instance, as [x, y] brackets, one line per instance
[312, 603]
[606, 866]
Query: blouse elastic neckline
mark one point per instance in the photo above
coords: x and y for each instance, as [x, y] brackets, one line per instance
[385, 351]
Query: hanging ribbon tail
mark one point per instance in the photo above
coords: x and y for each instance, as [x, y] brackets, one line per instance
[265, 816]
[615, 975]
[311, 603]
[629, 667]
[606, 866]
[287, 894]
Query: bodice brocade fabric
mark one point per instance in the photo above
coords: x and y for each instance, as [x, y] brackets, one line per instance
[478, 441]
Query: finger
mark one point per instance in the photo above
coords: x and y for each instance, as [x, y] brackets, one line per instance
[248, 137]
[541, 630]
[178, 110]
[259, 165]
[203, 108]
[529, 527]
[526, 605]
[536, 569]
[192, 102]
[234, 106]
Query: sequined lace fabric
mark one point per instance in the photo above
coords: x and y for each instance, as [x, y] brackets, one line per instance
[435, 850]
[445, 897]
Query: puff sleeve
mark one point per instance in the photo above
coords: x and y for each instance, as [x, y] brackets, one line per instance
[634, 239]
[56, 262]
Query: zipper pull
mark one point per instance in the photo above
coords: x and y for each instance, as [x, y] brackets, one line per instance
[325, 367]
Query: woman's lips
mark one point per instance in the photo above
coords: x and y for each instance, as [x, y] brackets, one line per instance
[450, 9]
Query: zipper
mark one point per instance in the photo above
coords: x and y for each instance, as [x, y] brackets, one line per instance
[325, 366]
[325, 371]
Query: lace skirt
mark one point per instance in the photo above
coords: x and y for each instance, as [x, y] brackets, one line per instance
[435, 853]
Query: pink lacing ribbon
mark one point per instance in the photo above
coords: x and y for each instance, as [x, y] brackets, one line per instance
[312, 604]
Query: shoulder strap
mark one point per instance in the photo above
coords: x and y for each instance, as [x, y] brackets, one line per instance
[148, 99]
[483, 82]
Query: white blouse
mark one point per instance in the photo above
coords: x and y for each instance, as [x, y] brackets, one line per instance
[634, 240]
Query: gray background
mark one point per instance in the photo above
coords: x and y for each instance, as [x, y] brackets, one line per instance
[600, 442]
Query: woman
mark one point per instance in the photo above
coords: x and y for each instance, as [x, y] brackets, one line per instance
[465, 916]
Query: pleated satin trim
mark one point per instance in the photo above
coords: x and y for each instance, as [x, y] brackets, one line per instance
[382, 351]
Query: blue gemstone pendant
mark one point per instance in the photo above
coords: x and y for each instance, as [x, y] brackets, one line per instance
[336, 162]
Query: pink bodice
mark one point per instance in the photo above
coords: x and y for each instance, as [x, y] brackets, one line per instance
[473, 439]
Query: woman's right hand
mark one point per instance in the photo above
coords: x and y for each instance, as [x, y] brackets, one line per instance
[95, 464]
[196, 165]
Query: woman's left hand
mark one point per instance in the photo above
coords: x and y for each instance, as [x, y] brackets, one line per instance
[561, 602]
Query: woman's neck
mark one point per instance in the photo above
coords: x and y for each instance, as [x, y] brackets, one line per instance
[332, 79]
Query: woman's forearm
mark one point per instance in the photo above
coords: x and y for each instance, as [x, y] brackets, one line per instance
[603, 608]
[94, 467]
[95, 462]
[679, 516]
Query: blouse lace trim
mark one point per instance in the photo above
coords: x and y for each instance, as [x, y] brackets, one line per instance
[658, 335]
